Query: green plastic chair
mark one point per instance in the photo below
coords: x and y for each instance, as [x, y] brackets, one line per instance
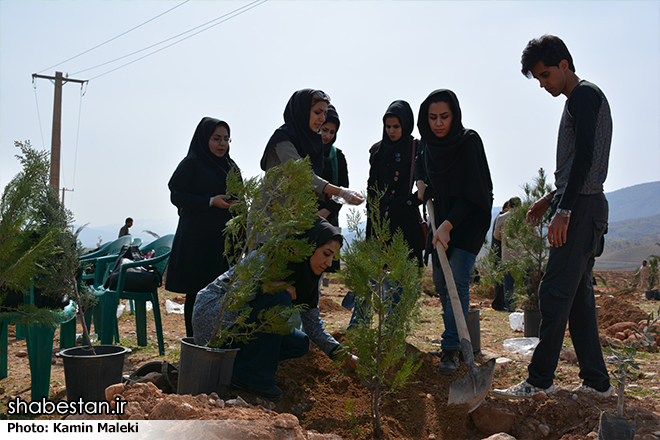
[89, 260]
[39, 344]
[110, 300]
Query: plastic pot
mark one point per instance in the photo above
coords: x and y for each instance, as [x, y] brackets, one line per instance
[87, 375]
[203, 369]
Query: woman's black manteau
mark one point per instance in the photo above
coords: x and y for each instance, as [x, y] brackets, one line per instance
[390, 171]
[197, 252]
[456, 170]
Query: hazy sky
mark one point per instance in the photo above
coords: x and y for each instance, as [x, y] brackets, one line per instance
[124, 138]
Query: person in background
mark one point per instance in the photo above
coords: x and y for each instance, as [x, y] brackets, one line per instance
[496, 246]
[452, 170]
[576, 230]
[643, 272]
[198, 188]
[300, 137]
[335, 171]
[258, 359]
[390, 184]
[508, 254]
[124, 229]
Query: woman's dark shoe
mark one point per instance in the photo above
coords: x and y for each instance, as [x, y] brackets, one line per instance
[273, 394]
[448, 362]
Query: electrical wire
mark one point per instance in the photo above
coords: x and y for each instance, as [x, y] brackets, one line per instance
[114, 38]
[228, 16]
[36, 100]
[75, 157]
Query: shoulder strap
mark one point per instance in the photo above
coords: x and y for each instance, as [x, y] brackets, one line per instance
[412, 165]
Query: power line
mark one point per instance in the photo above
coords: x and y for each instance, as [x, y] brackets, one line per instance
[229, 16]
[36, 100]
[112, 39]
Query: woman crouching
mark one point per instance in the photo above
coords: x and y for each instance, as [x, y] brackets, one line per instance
[257, 361]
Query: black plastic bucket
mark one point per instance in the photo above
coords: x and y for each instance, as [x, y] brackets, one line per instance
[87, 375]
[203, 369]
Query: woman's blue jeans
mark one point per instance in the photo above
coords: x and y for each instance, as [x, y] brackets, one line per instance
[257, 361]
[461, 263]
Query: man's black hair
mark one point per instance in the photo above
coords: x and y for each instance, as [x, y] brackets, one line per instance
[549, 49]
[129, 220]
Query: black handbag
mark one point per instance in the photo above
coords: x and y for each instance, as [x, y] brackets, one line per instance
[137, 279]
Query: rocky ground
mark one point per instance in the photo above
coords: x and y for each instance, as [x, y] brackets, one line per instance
[324, 401]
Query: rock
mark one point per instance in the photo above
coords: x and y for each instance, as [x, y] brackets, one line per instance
[649, 437]
[620, 335]
[287, 421]
[493, 417]
[501, 436]
[237, 402]
[539, 397]
[503, 361]
[177, 407]
[544, 429]
[593, 435]
[619, 327]
[21, 354]
[113, 390]
[568, 356]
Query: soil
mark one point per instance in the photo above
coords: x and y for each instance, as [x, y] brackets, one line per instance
[330, 399]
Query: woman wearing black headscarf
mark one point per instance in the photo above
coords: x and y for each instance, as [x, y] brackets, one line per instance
[198, 188]
[304, 115]
[452, 170]
[391, 171]
[335, 168]
[257, 361]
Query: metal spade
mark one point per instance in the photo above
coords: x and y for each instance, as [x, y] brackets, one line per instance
[471, 388]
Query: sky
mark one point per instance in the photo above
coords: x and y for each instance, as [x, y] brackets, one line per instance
[122, 139]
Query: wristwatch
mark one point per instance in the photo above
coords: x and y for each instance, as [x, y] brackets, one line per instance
[564, 212]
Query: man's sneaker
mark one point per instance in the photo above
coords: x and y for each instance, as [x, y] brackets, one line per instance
[587, 389]
[448, 362]
[521, 391]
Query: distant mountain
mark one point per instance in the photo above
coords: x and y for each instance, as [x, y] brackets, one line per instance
[634, 202]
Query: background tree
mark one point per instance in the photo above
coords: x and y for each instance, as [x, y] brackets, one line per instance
[378, 270]
[529, 243]
[37, 246]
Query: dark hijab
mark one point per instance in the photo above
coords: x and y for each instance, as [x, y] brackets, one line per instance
[329, 150]
[199, 145]
[303, 278]
[296, 130]
[455, 164]
[401, 110]
[332, 116]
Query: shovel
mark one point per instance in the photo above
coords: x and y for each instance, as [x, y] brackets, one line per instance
[471, 388]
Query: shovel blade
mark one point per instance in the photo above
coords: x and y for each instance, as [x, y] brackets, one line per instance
[471, 388]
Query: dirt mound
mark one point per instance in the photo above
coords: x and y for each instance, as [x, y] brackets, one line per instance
[328, 306]
[618, 308]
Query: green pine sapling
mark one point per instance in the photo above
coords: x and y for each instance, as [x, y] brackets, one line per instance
[377, 269]
[261, 239]
[529, 243]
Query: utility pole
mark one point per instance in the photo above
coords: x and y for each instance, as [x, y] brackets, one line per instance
[56, 137]
[65, 189]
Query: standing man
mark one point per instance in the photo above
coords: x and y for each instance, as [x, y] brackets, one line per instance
[124, 229]
[577, 228]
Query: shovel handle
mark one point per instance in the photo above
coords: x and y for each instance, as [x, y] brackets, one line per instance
[456, 306]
